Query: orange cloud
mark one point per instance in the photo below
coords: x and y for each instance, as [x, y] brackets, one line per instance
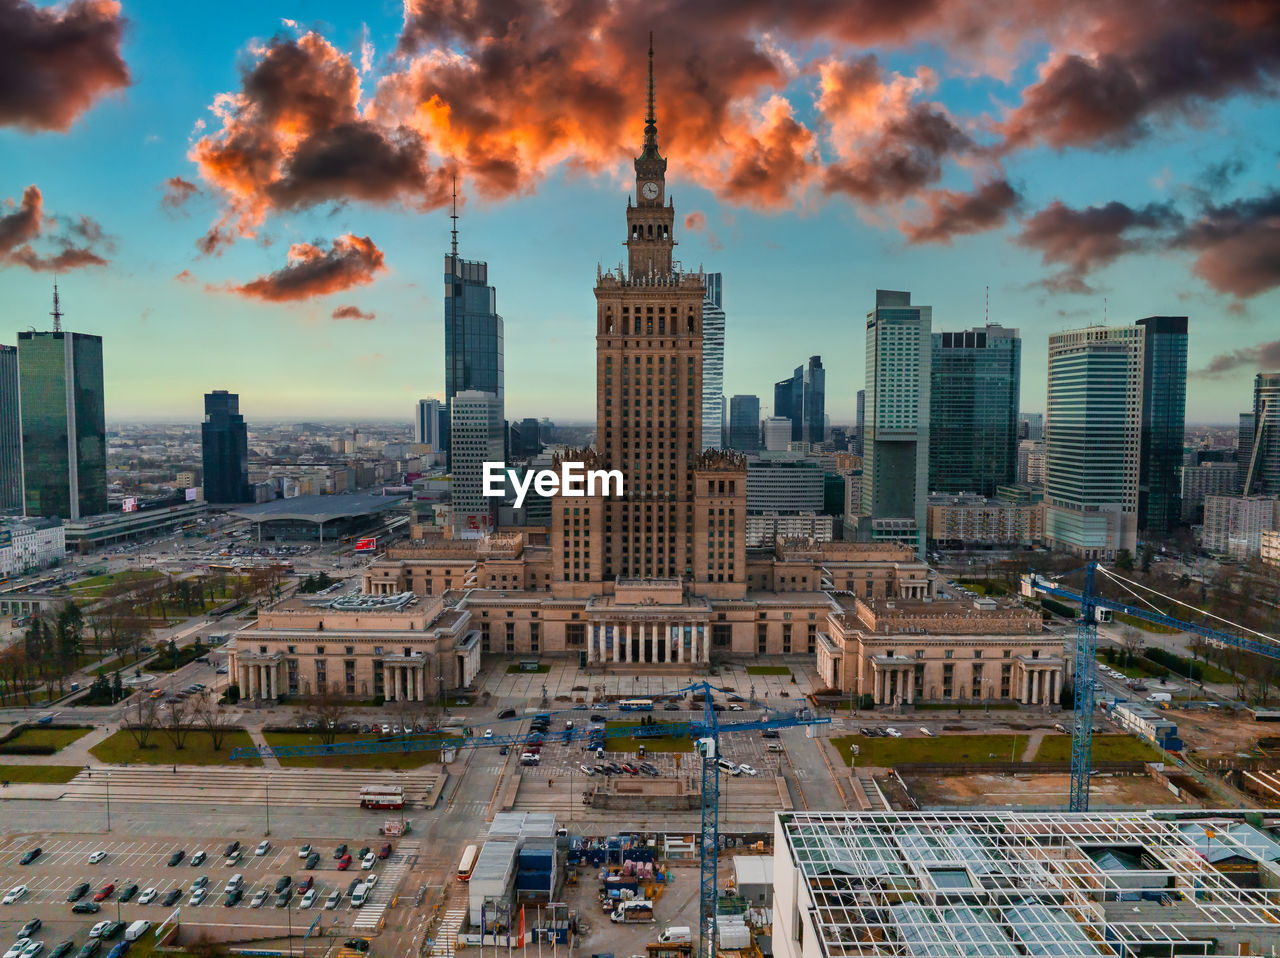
[313, 271]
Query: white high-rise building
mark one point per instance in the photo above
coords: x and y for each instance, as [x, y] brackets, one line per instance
[1093, 437]
[426, 423]
[713, 363]
[475, 437]
[777, 433]
[1233, 525]
[895, 464]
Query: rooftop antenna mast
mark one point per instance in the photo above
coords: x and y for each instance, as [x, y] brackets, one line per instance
[453, 215]
[986, 316]
[57, 308]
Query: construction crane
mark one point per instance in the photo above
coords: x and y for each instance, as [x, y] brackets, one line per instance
[1087, 648]
[705, 732]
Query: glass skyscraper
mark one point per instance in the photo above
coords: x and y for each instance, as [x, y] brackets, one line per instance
[224, 440]
[973, 409]
[1262, 468]
[473, 332]
[64, 432]
[1164, 406]
[895, 463]
[713, 362]
[744, 423]
[802, 398]
[477, 431]
[10, 433]
[1093, 431]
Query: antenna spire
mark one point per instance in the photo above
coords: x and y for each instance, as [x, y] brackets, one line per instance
[650, 117]
[453, 215]
[986, 318]
[57, 308]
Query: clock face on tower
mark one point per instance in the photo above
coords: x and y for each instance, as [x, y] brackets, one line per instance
[650, 191]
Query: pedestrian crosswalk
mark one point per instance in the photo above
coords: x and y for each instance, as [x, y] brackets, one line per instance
[446, 940]
[370, 917]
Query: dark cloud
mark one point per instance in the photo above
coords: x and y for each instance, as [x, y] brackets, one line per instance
[313, 270]
[1147, 60]
[906, 157]
[1237, 245]
[66, 243]
[56, 61]
[176, 193]
[1264, 356]
[1088, 239]
[351, 312]
[953, 213]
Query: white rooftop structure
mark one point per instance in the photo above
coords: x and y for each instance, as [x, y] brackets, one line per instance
[1011, 884]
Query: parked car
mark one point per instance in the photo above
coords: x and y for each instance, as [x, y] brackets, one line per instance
[304, 851]
[344, 863]
[89, 949]
[63, 948]
[177, 857]
[30, 856]
[86, 908]
[231, 849]
[308, 899]
[15, 950]
[355, 883]
[746, 769]
[331, 902]
[507, 714]
[120, 950]
[97, 856]
[234, 858]
[339, 851]
[79, 891]
[385, 850]
[129, 892]
[259, 899]
[264, 846]
[357, 944]
[926, 731]
[148, 896]
[171, 897]
[282, 899]
[368, 861]
[312, 860]
[33, 949]
[201, 882]
[97, 930]
[283, 882]
[199, 857]
[30, 928]
[233, 897]
[105, 892]
[15, 894]
[113, 930]
[197, 897]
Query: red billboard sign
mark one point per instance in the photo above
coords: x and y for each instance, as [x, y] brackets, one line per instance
[369, 544]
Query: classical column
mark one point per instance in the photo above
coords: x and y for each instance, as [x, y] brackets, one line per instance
[592, 637]
[1026, 687]
[421, 681]
[244, 681]
[705, 638]
[1038, 687]
[1053, 688]
[388, 682]
[911, 685]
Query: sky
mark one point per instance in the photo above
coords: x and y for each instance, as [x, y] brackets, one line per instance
[258, 200]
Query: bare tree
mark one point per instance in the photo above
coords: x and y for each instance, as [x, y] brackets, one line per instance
[328, 708]
[1131, 642]
[211, 717]
[140, 719]
[177, 724]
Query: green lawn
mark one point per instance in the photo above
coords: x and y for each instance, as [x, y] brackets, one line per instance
[123, 750]
[1106, 748]
[57, 737]
[1143, 624]
[887, 752]
[768, 670]
[630, 743]
[516, 670]
[38, 774]
[404, 760]
[95, 586]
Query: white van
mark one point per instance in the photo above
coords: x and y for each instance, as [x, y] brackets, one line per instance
[137, 930]
[234, 882]
[676, 933]
[358, 896]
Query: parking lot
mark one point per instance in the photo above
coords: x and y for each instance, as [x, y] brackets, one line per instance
[64, 864]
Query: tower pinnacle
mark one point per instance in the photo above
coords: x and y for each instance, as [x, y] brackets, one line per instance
[453, 215]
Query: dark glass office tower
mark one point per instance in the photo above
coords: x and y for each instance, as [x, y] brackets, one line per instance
[788, 398]
[744, 423]
[1164, 407]
[64, 430]
[862, 420]
[10, 433]
[973, 409]
[473, 331]
[802, 398]
[225, 442]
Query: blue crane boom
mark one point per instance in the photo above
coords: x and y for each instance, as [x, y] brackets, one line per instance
[706, 732]
[1086, 662]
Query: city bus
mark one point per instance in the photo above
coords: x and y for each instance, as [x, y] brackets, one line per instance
[635, 705]
[382, 796]
[468, 863]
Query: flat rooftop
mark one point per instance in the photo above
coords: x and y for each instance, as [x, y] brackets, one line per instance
[319, 508]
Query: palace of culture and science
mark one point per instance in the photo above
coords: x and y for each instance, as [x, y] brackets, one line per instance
[659, 578]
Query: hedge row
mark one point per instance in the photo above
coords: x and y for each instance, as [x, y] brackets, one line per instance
[1175, 663]
[28, 749]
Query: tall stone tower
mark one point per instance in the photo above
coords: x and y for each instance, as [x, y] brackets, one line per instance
[649, 382]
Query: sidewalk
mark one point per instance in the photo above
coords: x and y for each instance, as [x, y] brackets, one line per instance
[260, 741]
[77, 753]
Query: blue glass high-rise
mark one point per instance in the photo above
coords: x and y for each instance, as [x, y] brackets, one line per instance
[473, 331]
